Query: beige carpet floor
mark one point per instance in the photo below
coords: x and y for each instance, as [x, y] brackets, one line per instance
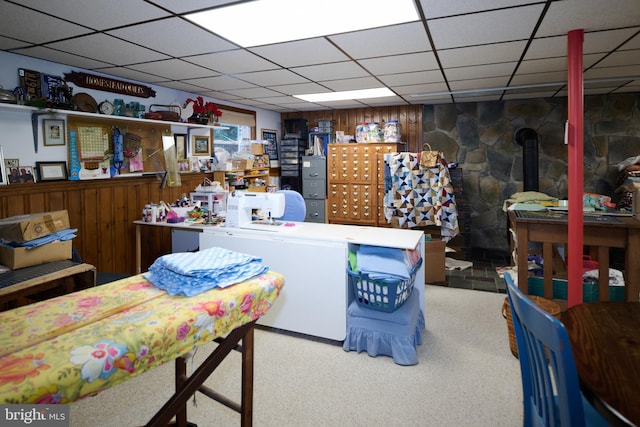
[466, 376]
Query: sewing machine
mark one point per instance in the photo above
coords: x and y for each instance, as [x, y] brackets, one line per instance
[241, 205]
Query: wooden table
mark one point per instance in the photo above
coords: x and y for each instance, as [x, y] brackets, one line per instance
[57, 278]
[605, 339]
[600, 232]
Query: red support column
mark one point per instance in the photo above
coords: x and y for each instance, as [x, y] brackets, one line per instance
[576, 166]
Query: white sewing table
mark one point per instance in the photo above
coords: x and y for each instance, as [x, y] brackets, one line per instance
[313, 258]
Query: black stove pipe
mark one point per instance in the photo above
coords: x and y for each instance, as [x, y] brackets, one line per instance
[527, 138]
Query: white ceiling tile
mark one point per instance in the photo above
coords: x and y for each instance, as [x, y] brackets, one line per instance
[301, 52]
[300, 89]
[272, 77]
[222, 95]
[221, 83]
[543, 65]
[439, 8]
[256, 92]
[334, 71]
[187, 87]
[173, 36]
[279, 100]
[487, 27]
[102, 47]
[62, 57]
[387, 100]
[417, 77]
[32, 26]
[622, 58]
[348, 103]
[129, 74]
[183, 6]
[612, 72]
[477, 43]
[401, 63]
[481, 71]
[353, 84]
[97, 14]
[487, 54]
[174, 69]
[427, 88]
[232, 62]
[634, 43]
[594, 42]
[539, 78]
[7, 43]
[394, 40]
[588, 15]
[493, 82]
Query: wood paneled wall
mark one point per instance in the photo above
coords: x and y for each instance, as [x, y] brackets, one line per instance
[409, 116]
[103, 211]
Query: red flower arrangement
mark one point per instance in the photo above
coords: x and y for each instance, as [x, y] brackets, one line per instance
[205, 108]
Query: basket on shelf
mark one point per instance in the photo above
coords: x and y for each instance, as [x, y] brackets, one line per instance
[547, 305]
[381, 294]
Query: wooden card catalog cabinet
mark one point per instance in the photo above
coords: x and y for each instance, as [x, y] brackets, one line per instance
[354, 173]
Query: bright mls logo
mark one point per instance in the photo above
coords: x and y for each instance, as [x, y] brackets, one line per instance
[34, 415]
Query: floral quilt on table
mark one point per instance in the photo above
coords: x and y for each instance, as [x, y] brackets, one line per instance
[66, 348]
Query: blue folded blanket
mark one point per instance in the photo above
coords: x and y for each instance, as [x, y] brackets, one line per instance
[58, 236]
[190, 273]
[382, 262]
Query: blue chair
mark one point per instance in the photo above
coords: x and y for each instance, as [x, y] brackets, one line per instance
[294, 206]
[550, 387]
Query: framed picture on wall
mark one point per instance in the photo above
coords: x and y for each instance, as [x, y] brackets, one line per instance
[54, 133]
[271, 147]
[181, 145]
[3, 169]
[201, 145]
[52, 171]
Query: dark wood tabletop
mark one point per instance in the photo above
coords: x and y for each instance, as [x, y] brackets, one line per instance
[605, 339]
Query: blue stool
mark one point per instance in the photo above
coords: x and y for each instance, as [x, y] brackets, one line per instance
[395, 334]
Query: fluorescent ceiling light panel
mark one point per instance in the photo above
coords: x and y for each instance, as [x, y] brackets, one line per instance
[264, 22]
[348, 94]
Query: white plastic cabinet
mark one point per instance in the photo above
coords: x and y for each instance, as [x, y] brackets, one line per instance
[314, 298]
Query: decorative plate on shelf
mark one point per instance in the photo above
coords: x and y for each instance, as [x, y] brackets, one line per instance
[85, 102]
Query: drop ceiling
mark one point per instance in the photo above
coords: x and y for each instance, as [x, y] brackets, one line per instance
[459, 51]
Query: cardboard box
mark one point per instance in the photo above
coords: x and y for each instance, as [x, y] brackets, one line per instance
[22, 228]
[24, 257]
[257, 149]
[434, 263]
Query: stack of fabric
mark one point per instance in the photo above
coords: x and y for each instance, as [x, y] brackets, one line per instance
[190, 273]
[382, 263]
[628, 182]
[58, 236]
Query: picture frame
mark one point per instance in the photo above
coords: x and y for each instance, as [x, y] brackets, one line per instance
[194, 164]
[271, 148]
[26, 175]
[52, 171]
[53, 132]
[3, 168]
[184, 165]
[201, 145]
[181, 146]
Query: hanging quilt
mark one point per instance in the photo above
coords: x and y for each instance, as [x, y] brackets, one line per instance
[417, 197]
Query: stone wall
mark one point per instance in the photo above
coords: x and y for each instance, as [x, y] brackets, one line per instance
[480, 138]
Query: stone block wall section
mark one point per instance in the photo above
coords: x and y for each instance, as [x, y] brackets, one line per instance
[480, 138]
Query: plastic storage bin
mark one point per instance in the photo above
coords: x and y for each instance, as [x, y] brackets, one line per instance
[381, 295]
